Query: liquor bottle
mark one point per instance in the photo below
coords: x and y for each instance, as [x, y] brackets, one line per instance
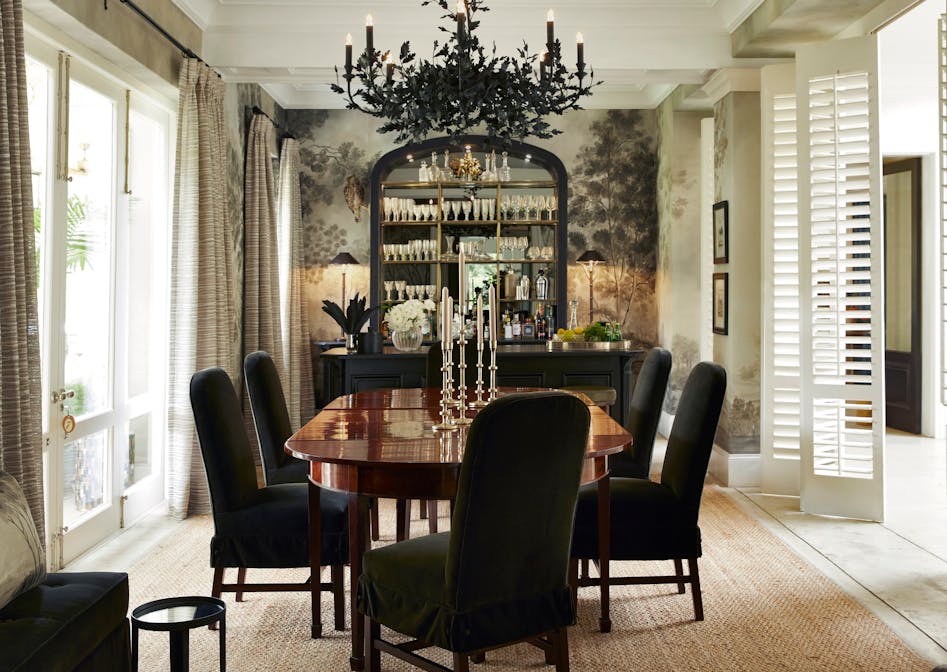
[507, 327]
[517, 327]
[540, 324]
[529, 329]
[542, 285]
[505, 169]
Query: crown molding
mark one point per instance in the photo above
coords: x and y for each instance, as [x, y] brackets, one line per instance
[731, 80]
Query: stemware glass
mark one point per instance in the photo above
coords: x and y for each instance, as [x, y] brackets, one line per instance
[400, 286]
[455, 210]
[466, 209]
[476, 208]
[389, 285]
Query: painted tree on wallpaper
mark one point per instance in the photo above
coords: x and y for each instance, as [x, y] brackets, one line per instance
[326, 168]
[613, 209]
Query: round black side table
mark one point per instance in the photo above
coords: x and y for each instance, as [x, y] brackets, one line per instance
[177, 616]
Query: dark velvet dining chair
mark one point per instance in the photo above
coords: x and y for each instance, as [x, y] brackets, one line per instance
[261, 527]
[494, 579]
[642, 416]
[659, 521]
[271, 421]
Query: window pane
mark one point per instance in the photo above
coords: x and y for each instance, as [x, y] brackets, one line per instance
[136, 463]
[88, 249]
[84, 476]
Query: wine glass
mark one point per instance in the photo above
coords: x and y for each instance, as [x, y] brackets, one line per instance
[455, 210]
[389, 285]
[466, 209]
[475, 205]
[400, 287]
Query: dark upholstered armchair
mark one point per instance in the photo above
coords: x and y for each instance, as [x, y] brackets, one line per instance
[260, 527]
[658, 521]
[495, 578]
[643, 415]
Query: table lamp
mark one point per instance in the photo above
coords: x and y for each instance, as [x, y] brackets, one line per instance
[589, 260]
[343, 259]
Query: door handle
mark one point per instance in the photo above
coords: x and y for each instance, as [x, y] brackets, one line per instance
[62, 394]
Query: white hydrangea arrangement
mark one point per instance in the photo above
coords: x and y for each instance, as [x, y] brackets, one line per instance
[411, 313]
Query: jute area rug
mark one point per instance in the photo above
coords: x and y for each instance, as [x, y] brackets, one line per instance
[766, 609]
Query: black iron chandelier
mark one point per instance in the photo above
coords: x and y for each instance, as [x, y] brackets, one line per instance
[465, 85]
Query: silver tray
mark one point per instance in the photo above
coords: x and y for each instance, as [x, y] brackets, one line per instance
[590, 345]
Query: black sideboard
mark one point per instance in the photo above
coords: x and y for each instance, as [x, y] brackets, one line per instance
[517, 366]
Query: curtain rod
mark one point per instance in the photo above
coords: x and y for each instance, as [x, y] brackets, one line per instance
[257, 110]
[164, 33]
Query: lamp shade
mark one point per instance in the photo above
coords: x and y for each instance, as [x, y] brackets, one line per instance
[343, 258]
[591, 257]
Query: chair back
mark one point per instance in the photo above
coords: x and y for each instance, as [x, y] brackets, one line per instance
[435, 360]
[512, 525]
[225, 448]
[268, 404]
[692, 434]
[643, 415]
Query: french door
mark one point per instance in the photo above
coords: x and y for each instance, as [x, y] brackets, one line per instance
[100, 158]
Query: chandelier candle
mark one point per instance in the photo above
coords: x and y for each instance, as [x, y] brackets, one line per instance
[461, 18]
[348, 52]
[369, 39]
[550, 31]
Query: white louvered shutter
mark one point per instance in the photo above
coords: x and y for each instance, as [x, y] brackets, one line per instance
[943, 204]
[841, 280]
[780, 407]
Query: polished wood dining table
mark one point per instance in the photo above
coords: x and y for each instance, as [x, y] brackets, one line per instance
[382, 443]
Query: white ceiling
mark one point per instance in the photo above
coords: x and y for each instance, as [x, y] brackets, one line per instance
[641, 49]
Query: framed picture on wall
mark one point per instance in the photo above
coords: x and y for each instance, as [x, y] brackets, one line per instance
[721, 299]
[721, 232]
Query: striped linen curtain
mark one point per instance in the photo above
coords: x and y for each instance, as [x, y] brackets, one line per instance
[261, 287]
[21, 404]
[297, 381]
[203, 313]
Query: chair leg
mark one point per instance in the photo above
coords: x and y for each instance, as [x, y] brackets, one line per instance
[585, 568]
[574, 582]
[432, 516]
[372, 654]
[478, 656]
[560, 640]
[402, 519]
[460, 662]
[241, 579]
[374, 516]
[422, 508]
[679, 573]
[338, 594]
[695, 589]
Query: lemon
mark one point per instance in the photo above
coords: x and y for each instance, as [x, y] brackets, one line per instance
[560, 331]
[578, 331]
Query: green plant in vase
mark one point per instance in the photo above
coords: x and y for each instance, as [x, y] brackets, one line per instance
[352, 320]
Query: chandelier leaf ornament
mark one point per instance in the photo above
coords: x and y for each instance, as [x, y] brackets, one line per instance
[465, 85]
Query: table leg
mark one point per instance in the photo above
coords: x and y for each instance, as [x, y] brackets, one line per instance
[358, 543]
[223, 643]
[179, 650]
[604, 549]
[315, 559]
[134, 647]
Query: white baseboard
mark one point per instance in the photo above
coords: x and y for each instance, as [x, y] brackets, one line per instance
[735, 470]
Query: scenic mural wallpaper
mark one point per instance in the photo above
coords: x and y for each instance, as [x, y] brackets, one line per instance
[612, 206]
